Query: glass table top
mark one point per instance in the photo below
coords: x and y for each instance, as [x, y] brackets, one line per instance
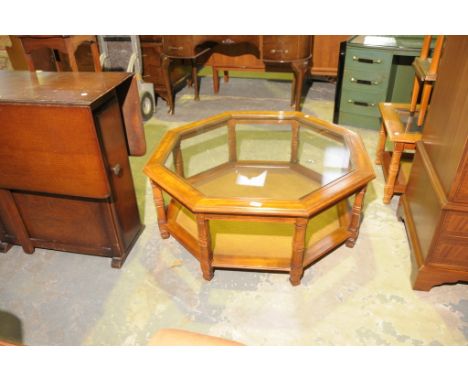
[259, 159]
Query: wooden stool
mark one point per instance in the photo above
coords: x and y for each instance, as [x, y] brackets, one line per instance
[400, 126]
[426, 74]
[64, 44]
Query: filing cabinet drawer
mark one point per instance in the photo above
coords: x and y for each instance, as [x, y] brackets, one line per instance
[368, 60]
[362, 103]
[366, 81]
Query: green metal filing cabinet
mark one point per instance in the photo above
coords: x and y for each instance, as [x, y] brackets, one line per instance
[376, 69]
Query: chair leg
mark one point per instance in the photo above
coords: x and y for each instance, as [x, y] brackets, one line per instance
[393, 172]
[414, 96]
[381, 145]
[426, 95]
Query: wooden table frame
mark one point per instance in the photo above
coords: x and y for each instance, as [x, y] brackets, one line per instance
[296, 212]
[64, 44]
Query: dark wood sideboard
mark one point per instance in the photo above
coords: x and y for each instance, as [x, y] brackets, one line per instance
[435, 204]
[65, 179]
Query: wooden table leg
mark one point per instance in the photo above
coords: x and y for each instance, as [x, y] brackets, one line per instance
[204, 240]
[196, 88]
[381, 144]
[414, 96]
[160, 210]
[293, 90]
[215, 80]
[71, 49]
[393, 171]
[165, 64]
[226, 76]
[355, 222]
[95, 54]
[297, 260]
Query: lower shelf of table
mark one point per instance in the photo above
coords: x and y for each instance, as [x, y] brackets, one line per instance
[261, 245]
[403, 174]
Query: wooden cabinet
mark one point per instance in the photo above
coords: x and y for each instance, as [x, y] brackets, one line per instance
[65, 178]
[435, 205]
[376, 69]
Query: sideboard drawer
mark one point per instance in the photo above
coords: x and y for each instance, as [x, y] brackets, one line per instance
[366, 81]
[178, 46]
[363, 103]
[279, 48]
[368, 60]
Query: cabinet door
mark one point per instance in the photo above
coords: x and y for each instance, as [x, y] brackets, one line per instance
[110, 129]
[50, 149]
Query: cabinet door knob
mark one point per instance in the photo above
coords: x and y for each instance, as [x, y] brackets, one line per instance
[116, 170]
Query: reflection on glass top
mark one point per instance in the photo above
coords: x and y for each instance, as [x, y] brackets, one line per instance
[279, 161]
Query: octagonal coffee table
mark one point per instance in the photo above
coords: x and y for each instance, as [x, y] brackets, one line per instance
[260, 190]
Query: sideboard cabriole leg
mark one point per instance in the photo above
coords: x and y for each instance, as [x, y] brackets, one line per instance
[299, 69]
[293, 89]
[160, 210]
[381, 145]
[7, 203]
[297, 268]
[196, 88]
[393, 172]
[356, 218]
[206, 255]
[165, 64]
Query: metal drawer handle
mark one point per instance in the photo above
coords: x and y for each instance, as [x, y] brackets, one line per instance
[285, 51]
[367, 60]
[175, 47]
[364, 82]
[228, 41]
[116, 170]
[360, 103]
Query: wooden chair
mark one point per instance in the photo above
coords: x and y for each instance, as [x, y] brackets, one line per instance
[402, 124]
[426, 74]
[63, 44]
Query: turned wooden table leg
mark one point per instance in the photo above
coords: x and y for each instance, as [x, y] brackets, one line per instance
[381, 144]
[160, 210]
[355, 222]
[297, 260]
[204, 240]
[165, 63]
[393, 172]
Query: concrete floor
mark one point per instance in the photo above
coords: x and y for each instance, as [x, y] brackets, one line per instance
[359, 296]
